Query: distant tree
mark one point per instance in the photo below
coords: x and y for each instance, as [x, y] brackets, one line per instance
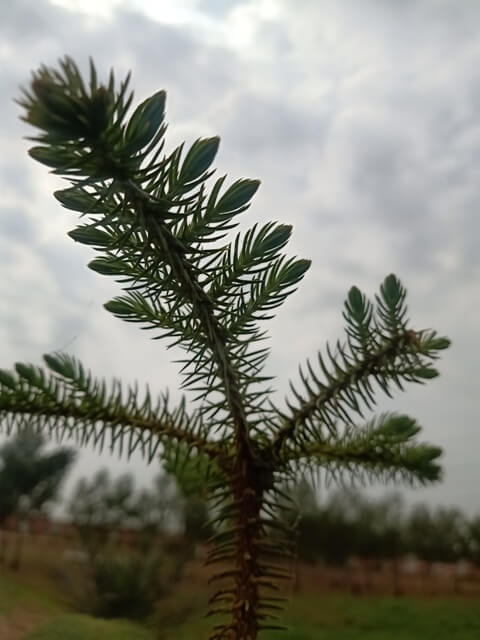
[473, 552]
[319, 531]
[389, 524]
[127, 576]
[452, 526]
[98, 508]
[438, 536]
[7, 508]
[301, 511]
[192, 475]
[335, 530]
[421, 534]
[30, 478]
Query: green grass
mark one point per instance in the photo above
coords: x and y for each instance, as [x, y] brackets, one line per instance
[382, 618]
[354, 618]
[309, 617]
[80, 627]
[14, 592]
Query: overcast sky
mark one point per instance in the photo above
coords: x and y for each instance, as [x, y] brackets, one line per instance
[362, 121]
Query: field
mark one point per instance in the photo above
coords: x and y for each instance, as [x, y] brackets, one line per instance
[38, 603]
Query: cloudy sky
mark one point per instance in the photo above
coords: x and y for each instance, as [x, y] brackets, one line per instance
[362, 121]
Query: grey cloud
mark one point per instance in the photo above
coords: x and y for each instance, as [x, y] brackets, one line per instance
[262, 125]
[362, 121]
[17, 225]
[25, 22]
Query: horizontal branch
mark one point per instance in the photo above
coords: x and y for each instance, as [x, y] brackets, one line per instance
[384, 447]
[68, 401]
[348, 384]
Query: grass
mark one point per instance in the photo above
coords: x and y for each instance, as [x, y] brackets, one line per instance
[327, 617]
[382, 618]
[38, 605]
[309, 617]
[80, 627]
[21, 600]
[16, 593]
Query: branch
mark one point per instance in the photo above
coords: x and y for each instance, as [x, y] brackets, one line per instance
[67, 400]
[154, 203]
[382, 448]
[380, 349]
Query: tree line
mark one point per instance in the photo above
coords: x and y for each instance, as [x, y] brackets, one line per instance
[347, 523]
[135, 543]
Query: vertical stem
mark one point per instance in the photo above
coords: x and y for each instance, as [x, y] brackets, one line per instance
[248, 497]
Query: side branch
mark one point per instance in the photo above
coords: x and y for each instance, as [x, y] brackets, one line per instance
[402, 357]
[384, 447]
[70, 402]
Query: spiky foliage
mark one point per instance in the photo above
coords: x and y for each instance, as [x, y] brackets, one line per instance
[159, 224]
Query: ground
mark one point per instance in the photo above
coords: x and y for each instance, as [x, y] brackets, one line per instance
[40, 602]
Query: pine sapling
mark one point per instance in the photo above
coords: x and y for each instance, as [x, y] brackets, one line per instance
[161, 226]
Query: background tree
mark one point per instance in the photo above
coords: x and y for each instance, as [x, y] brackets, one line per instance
[163, 236]
[192, 475]
[98, 508]
[388, 524]
[124, 533]
[30, 478]
[474, 540]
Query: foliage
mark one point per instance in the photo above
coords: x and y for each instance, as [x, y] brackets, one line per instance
[30, 478]
[440, 535]
[474, 539]
[348, 524]
[126, 587]
[128, 575]
[160, 226]
[27, 471]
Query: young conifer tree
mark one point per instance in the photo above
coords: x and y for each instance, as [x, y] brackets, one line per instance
[161, 230]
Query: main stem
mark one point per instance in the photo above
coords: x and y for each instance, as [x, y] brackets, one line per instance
[246, 494]
[248, 498]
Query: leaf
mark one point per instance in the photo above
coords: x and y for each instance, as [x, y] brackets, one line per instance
[7, 379]
[54, 364]
[297, 270]
[77, 199]
[91, 236]
[199, 158]
[107, 266]
[145, 121]
[392, 291]
[26, 371]
[63, 365]
[237, 195]
[51, 157]
[423, 457]
[425, 372]
[356, 303]
[398, 427]
[119, 307]
[277, 238]
[437, 344]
